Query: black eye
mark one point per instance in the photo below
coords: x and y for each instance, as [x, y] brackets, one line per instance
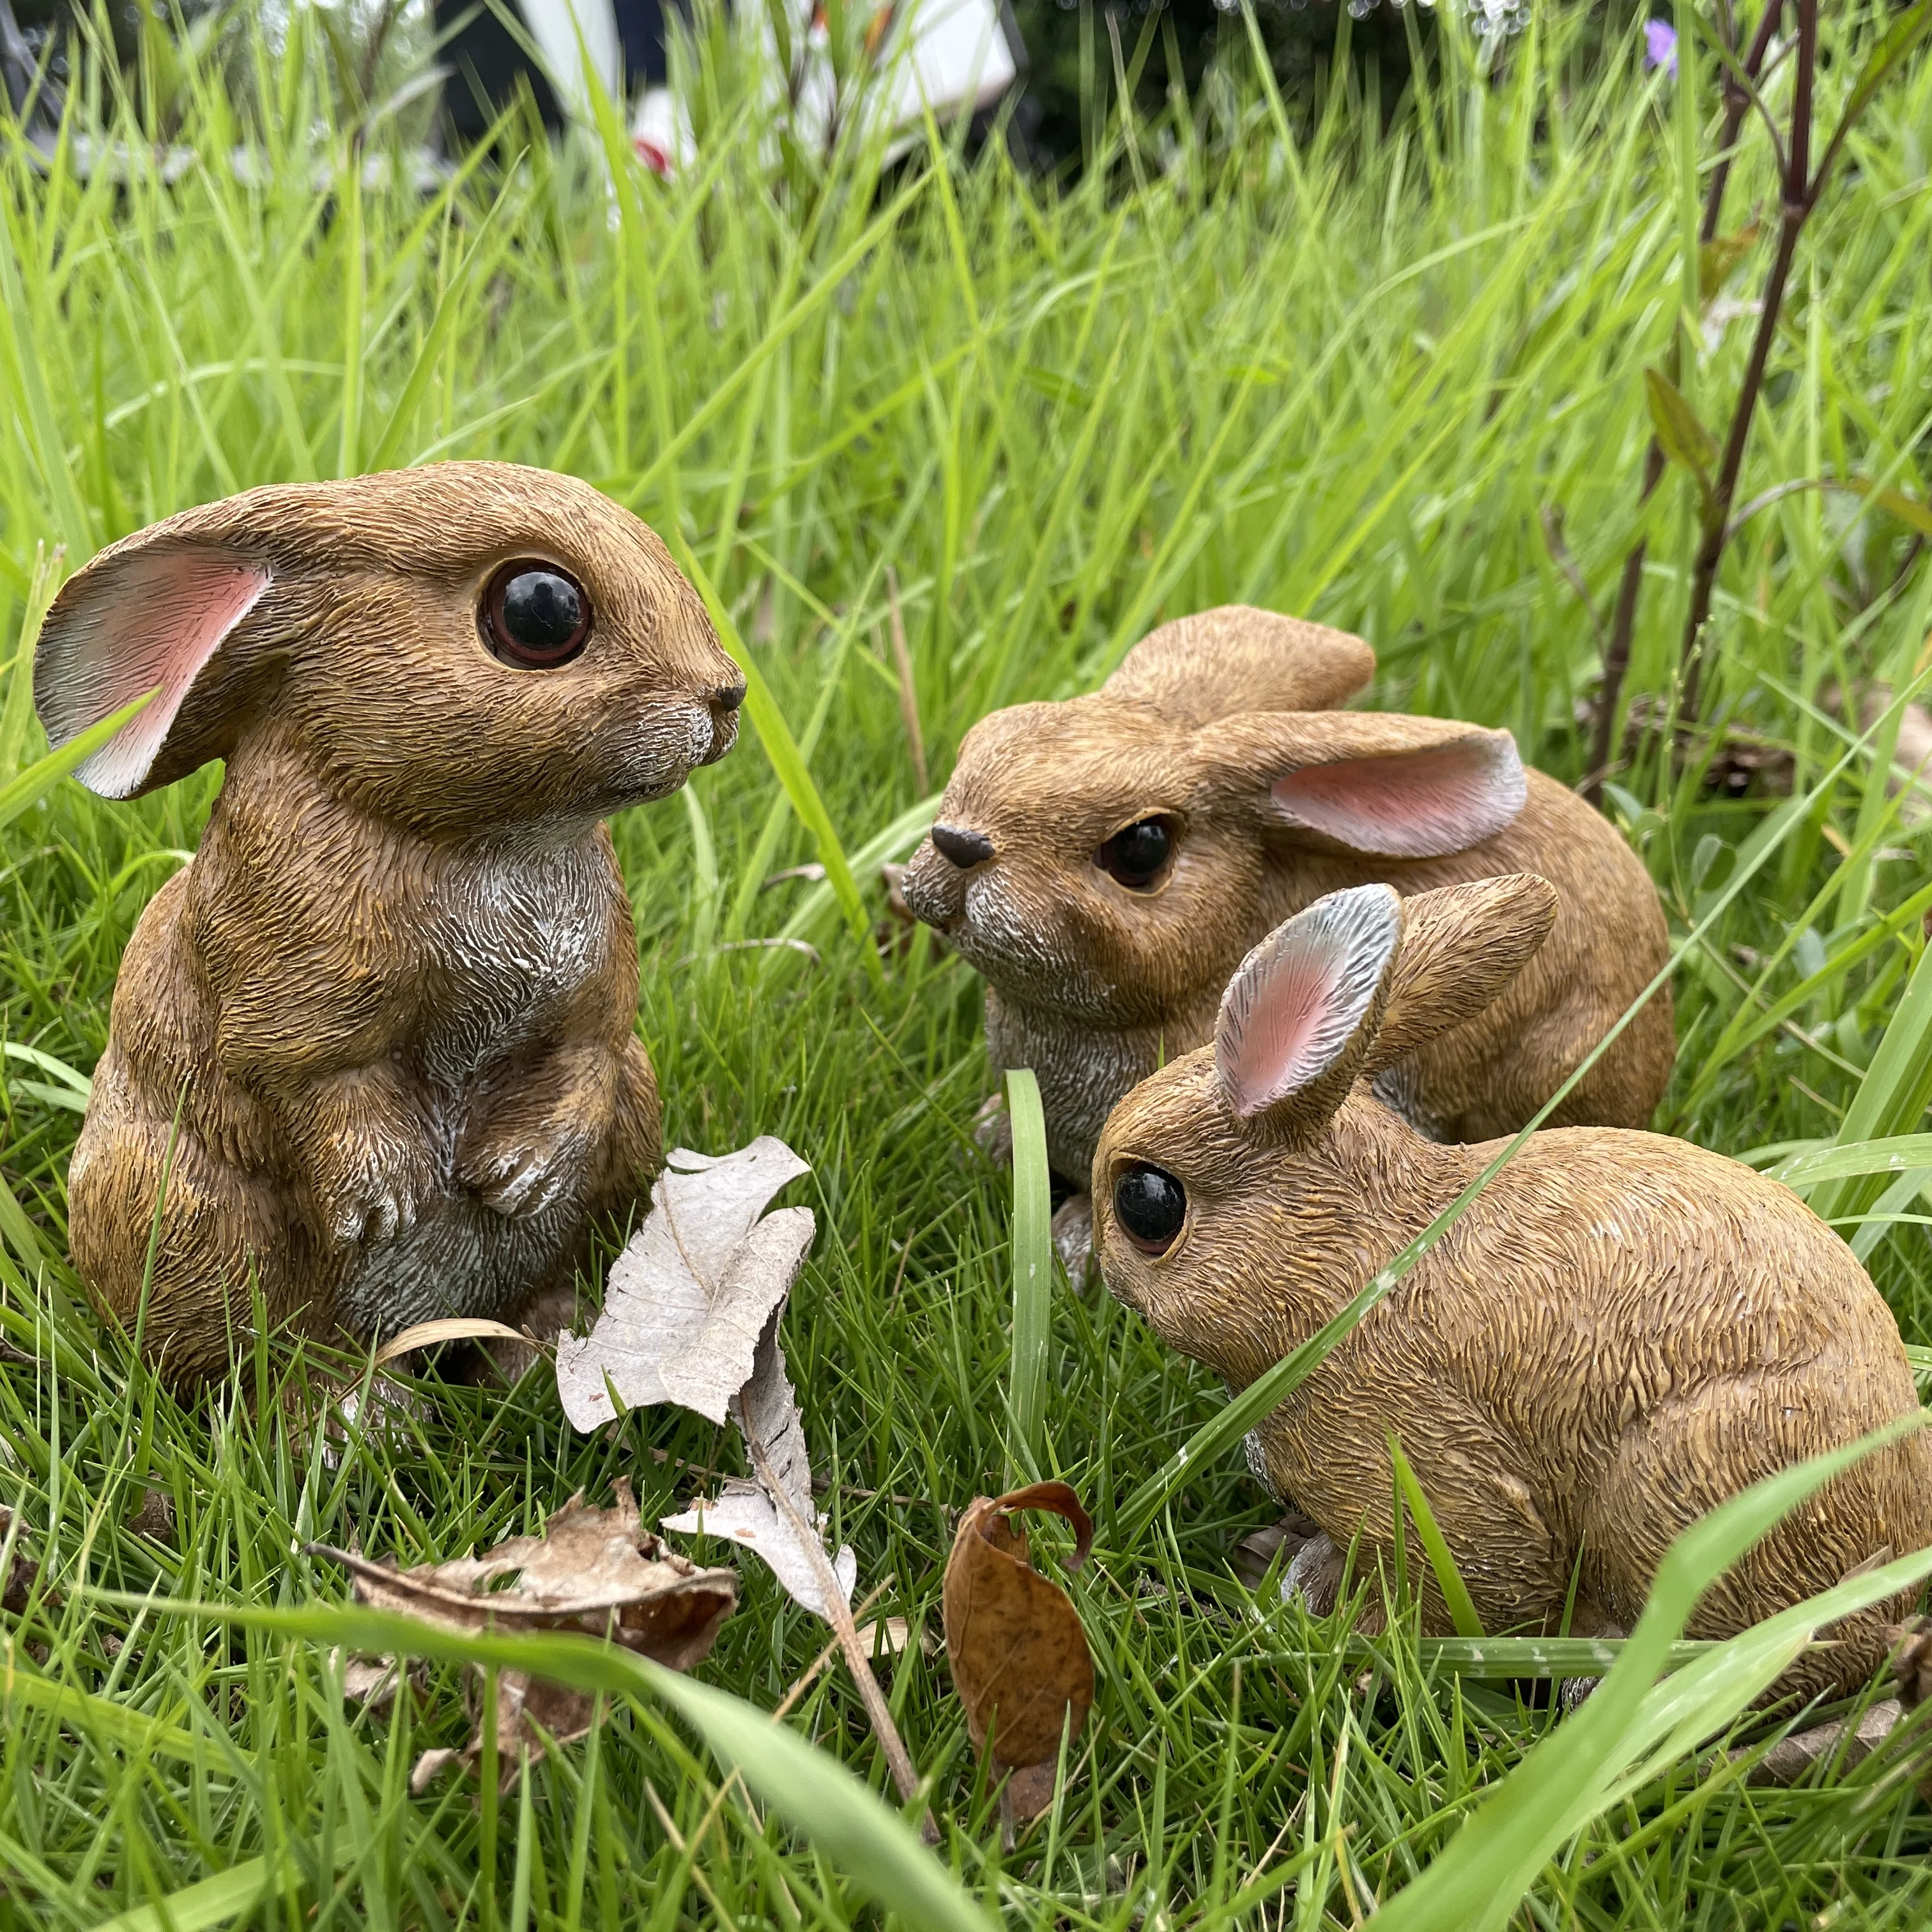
[1150, 1205]
[535, 614]
[1136, 853]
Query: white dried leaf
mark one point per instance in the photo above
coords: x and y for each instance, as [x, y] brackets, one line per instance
[743, 1513]
[765, 1408]
[766, 1411]
[695, 1288]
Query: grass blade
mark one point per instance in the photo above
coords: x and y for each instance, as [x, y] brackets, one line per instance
[1032, 1269]
[27, 787]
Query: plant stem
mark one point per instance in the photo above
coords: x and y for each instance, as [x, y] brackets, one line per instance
[1800, 197]
[1623, 625]
[838, 1614]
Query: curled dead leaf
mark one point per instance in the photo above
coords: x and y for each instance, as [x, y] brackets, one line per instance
[21, 1571]
[1017, 1651]
[597, 1571]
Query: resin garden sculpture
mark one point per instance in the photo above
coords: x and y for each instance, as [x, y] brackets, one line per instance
[373, 1051]
[1106, 862]
[1621, 1331]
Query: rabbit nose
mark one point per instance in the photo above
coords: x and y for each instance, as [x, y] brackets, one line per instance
[965, 849]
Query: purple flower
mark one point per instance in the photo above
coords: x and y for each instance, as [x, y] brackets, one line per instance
[1660, 46]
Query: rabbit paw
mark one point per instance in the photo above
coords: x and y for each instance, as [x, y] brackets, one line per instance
[521, 1181]
[375, 1207]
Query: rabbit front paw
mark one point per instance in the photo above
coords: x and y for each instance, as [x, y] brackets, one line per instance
[377, 1205]
[522, 1180]
[374, 1191]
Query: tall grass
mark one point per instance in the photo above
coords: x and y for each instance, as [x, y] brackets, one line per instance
[1389, 376]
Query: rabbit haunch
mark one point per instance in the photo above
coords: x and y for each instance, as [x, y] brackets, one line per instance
[1621, 1332]
[1220, 728]
[393, 996]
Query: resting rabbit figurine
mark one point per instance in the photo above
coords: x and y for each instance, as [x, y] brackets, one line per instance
[1105, 862]
[393, 997]
[1622, 1331]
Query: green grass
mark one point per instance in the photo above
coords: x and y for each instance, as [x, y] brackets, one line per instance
[1345, 376]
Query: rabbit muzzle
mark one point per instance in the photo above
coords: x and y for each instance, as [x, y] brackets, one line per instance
[723, 704]
[934, 886]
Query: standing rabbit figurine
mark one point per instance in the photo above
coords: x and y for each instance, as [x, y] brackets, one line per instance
[1622, 1331]
[373, 1048]
[1106, 862]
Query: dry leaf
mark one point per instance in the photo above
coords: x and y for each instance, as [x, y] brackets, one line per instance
[445, 1328]
[691, 1295]
[745, 1511]
[1018, 1654]
[372, 1682]
[597, 1571]
[891, 1637]
[1790, 1758]
[22, 1570]
[530, 1713]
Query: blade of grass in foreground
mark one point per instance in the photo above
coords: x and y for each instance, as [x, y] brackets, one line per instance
[1476, 1881]
[212, 1901]
[41, 776]
[1033, 1267]
[875, 1847]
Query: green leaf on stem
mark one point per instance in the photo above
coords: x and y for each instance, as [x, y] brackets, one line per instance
[1680, 434]
[1716, 260]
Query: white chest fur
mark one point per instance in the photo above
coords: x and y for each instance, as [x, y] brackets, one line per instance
[513, 934]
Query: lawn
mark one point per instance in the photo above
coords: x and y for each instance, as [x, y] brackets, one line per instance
[1386, 371]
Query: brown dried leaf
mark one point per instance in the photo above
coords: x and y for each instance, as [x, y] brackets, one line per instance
[22, 1569]
[373, 1682]
[530, 1712]
[598, 1571]
[1790, 1758]
[1018, 1653]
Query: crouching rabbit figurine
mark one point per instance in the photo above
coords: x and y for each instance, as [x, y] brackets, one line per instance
[1621, 1332]
[1105, 862]
[373, 1048]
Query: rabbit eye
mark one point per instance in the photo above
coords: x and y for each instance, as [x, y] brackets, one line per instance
[1150, 1205]
[535, 615]
[1136, 853]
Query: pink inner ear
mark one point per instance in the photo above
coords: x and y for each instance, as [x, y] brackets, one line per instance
[1411, 805]
[151, 619]
[1299, 999]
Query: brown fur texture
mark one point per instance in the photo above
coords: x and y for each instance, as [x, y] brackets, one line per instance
[1210, 722]
[1622, 1331]
[392, 999]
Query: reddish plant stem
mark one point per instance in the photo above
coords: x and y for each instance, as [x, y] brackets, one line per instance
[1623, 625]
[1800, 197]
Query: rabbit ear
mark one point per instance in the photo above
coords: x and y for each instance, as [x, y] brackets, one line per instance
[1298, 1017]
[1236, 658]
[142, 616]
[1461, 947]
[1376, 783]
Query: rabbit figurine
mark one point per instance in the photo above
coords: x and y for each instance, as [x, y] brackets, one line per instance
[1622, 1331]
[1105, 862]
[374, 1049]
